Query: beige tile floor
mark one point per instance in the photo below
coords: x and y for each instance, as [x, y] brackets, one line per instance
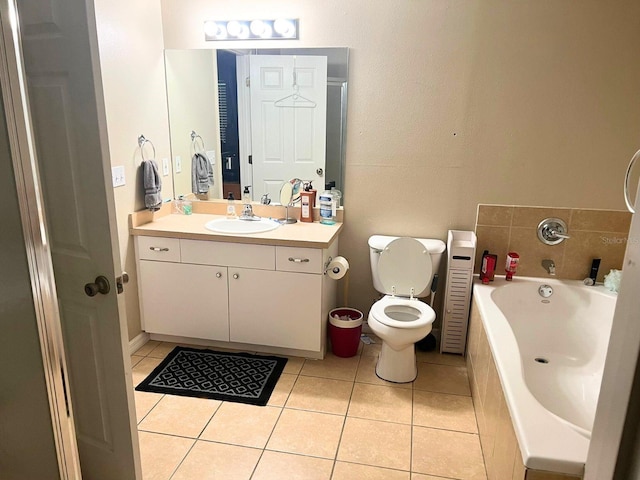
[330, 419]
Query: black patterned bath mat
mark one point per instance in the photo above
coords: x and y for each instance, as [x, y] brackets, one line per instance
[232, 377]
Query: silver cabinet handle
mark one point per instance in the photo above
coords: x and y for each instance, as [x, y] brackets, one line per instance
[159, 249]
[626, 181]
[218, 275]
[236, 276]
[298, 260]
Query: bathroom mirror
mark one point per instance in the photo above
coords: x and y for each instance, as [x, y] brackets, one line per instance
[249, 109]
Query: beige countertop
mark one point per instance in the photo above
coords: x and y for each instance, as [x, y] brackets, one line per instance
[312, 235]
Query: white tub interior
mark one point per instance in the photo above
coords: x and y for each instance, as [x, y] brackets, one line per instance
[552, 401]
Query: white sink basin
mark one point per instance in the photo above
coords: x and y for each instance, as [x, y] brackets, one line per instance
[236, 226]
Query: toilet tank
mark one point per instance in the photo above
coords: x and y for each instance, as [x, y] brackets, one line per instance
[377, 243]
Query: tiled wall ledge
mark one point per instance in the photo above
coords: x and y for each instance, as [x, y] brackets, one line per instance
[500, 449]
[594, 234]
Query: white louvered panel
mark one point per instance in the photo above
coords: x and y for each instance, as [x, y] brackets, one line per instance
[456, 313]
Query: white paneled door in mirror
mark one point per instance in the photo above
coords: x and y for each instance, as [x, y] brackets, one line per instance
[288, 120]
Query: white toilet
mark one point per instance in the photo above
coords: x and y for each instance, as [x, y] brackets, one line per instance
[403, 270]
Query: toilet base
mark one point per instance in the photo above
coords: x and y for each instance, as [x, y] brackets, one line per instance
[398, 366]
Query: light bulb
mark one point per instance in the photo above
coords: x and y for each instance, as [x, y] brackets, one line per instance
[214, 29]
[284, 27]
[234, 28]
[258, 27]
[244, 31]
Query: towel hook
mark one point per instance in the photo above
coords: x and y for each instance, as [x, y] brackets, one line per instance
[141, 143]
[194, 138]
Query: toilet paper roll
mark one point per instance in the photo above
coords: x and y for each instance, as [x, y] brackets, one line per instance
[337, 268]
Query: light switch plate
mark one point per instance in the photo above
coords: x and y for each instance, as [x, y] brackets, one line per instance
[178, 164]
[117, 176]
[165, 166]
[211, 155]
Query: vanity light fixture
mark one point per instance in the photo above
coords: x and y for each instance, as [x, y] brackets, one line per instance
[278, 29]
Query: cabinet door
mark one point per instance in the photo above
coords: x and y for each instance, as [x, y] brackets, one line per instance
[280, 309]
[184, 300]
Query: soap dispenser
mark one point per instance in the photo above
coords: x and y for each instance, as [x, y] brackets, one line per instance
[306, 204]
[246, 195]
[231, 207]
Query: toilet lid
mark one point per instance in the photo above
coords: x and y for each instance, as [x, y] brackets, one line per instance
[403, 264]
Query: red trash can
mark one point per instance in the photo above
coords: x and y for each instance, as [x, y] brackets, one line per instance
[345, 327]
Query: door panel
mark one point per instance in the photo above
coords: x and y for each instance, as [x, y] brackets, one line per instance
[262, 312]
[65, 96]
[287, 133]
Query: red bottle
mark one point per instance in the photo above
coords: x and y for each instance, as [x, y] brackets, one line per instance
[488, 267]
[512, 265]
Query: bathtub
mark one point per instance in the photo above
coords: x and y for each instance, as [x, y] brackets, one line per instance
[549, 354]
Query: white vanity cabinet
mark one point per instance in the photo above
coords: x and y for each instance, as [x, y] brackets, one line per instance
[178, 298]
[271, 297]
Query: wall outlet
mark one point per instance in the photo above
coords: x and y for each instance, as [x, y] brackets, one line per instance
[117, 176]
[178, 164]
[211, 155]
[165, 166]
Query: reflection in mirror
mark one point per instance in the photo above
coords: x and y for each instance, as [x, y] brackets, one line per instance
[261, 117]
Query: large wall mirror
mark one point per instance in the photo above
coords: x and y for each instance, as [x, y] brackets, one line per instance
[256, 118]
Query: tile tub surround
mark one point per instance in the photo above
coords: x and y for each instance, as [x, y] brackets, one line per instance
[330, 419]
[500, 449]
[594, 234]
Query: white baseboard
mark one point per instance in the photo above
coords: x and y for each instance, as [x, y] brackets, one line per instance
[137, 342]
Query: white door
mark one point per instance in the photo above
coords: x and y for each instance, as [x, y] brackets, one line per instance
[65, 95]
[288, 120]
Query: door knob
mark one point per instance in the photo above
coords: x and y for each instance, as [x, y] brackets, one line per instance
[121, 281]
[319, 171]
[100, 285]
[236, 276]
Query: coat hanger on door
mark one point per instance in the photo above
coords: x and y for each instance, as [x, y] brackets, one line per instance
[295, 100]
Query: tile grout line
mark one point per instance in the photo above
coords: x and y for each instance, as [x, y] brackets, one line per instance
[264, 449]
[344, 421]
[345, 418]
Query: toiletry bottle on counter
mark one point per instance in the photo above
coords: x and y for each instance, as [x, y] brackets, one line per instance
[231, 207]
[595, 266]
[306, 204]
[327, 207]
[512, 265]
[246, 195]
[314, 194]
[488, 267]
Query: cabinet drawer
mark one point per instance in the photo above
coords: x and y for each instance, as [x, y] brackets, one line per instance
[295, 259]
[205, 252]
[158, 248]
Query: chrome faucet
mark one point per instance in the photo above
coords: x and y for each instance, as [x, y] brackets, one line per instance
[247, 213]
[549, 266]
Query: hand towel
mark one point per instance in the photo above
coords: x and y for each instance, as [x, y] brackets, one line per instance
[152, 185]
[201, 174]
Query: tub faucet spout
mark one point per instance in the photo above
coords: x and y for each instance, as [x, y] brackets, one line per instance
[549, 266]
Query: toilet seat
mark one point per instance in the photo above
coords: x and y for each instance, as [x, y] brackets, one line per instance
[405, 267]
[401, 312]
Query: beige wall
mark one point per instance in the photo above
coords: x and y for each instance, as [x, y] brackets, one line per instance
[192, 90]
[458, 102]
[132, 62]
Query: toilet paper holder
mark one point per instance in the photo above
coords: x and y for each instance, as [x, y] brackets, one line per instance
[326, 265]
[336, 267]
